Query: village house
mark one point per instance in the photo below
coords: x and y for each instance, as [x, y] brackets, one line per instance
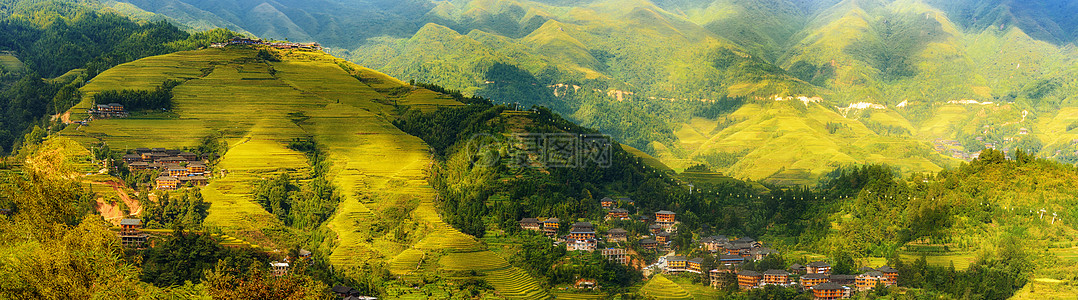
[171, 160]
[617, 214]
[749, 242]
[177, 171]
[626, 201]
[138, 165]
[730, 262]
[615, 255]
[586, 244]
[847, 280]
[741, 249]
[279, 268]
[714, 244]
[530, 224]
[818, 267]
[196, 168]
[188, 156]
[665, 219]
[798, 269]
[890, 273]
[749, 279]
[642, 219]
[550, 226]
[586, 284]
[131, 233]
[582, 230]
[617, 235]
[648, 244]
[716, 277]
[607, 203]
[655, 228]
[676, 264]
[130, 158]
[812, 279]
[777, 277]
[696, 265]
[193, 180]
[111, 110]
[869, 280]
[760, 253]
[663, 237]
[830, 291]
[167, 183]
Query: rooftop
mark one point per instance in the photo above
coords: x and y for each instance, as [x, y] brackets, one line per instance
[664, 212]
[817, 264]
[748, 273]
[776, 272]
[131, 222]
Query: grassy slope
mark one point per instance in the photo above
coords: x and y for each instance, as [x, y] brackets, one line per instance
[377, 167]
[787, 140]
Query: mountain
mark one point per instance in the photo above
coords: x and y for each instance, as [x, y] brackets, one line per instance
[891, 65]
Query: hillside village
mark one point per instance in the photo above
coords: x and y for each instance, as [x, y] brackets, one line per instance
[175, 168]
[729, 256]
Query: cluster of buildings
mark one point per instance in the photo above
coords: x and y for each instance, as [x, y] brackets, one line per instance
[815, 277]
[277, 45]
[177, 168]
[106, 111]
[583, 236]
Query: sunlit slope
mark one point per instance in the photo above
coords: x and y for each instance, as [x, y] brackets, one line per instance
[791, 142]
[387, 213]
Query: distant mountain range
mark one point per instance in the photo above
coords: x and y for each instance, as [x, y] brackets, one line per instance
[918, 84]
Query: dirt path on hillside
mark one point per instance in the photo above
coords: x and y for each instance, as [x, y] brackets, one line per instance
[112, 212]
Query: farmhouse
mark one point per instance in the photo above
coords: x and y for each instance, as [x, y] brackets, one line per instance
[607, 203]
[193, 180]
[196, 168]
[171, 160]
[130, 158]
[582, 230]
[626, 201]
[587, 244]
[716, 277]
[731, 261]
[760, 253]
[615, 254]
[530, 224]
[648, 244]
[663, 237]
[111, 110]
[847, 280]
[138, 165]
[279, 268]
[869, 280]
[655, 228]
[819, 267]
[890, 273]
[665, 219]
[188, 156]
[748, 279]
[617, 234]
[829, 291]
[777, 277]
[714, 243]
[797, 269]
[131, 233]
[617, 214]
[550, 226]
[167, 183]
[585, 283]
[696, 265]
[676, 264]
[177, 172]
[813, 279]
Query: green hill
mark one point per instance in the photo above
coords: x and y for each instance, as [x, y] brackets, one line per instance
[387, 212]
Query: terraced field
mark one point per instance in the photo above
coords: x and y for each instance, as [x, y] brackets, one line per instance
[660, 287]
[10, 63]
[387, 213]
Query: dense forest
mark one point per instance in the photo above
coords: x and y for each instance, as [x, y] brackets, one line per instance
[60, 38]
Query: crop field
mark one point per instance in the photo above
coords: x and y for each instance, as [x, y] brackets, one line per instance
[659, 287]
[10, 63]
[387, 210]
[793, 145]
